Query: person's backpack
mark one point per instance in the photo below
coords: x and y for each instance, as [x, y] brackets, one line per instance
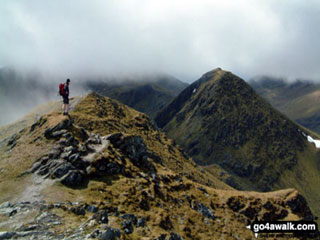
[62, 92]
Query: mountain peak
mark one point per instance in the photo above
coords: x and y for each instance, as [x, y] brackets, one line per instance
[67, 177]
[221, 111]
[211, 73]
[211, 83]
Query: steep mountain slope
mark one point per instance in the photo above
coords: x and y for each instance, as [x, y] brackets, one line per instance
[106, 173]
[219, 119]
[145, 94]
[298, 100]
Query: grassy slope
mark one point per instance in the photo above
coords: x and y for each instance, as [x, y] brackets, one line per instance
[298, 100]
[94, 114]
[304, 177]
[109, 118]
[147, 95]
[236, 129]
[106, 116]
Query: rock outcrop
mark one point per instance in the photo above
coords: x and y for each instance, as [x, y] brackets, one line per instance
[88, 176]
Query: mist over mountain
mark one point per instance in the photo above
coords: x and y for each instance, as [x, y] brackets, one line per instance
[148, 94]
[19, 93]
[299, 99]
[79, 38]
[22, 91]
[145, 152]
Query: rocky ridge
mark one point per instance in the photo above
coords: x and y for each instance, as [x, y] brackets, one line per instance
[110, 180]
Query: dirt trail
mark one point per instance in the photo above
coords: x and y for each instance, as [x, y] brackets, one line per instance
[33, 190]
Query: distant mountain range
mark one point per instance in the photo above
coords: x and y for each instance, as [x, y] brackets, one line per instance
[220, 120]
[298, 100]
[148, 94]
[19, 93]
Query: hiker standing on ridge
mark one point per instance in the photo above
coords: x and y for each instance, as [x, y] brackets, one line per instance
[64, 92]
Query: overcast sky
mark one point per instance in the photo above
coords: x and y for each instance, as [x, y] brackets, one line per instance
[179, 37]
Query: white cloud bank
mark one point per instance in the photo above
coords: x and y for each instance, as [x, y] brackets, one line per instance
[183, 38]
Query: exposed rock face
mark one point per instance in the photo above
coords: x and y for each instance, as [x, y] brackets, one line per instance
[101, 216]
[58, 130]
[74, 178]
[175, 236]
[65, 162]
[299, 205]
[12, 141]
[111, 234]
[134, 148]
[203, 209]
[119, 186]
[271, 210]
[74, 159]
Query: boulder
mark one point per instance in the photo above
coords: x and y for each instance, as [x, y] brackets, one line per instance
[127, 227]
[162, 237]
[65, 155]
[80, 164]
[58, 134]
[203, 209]
[5, 205]
[80, 210]
[49, 167]
[103, 166]
[7, 235]
[65, 125]
[94, 139]
[69, 149]
[61, 170]
[74, 157]
[13, 140]
[134, 147]
[92, 209]
[111, 234]
[175, 236]
[74, 178]
[55, 153]
[141, 222]
[299, 206]
[101, 216]
[129, 220]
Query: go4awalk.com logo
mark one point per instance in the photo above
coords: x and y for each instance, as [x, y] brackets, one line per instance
[298, 227]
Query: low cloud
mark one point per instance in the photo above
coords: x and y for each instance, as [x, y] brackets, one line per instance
[183, 38]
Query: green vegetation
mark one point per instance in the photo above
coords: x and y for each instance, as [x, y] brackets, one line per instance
[219, 119]
[147, 95]
[176, 196]
[298, 100]
[105, 116]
